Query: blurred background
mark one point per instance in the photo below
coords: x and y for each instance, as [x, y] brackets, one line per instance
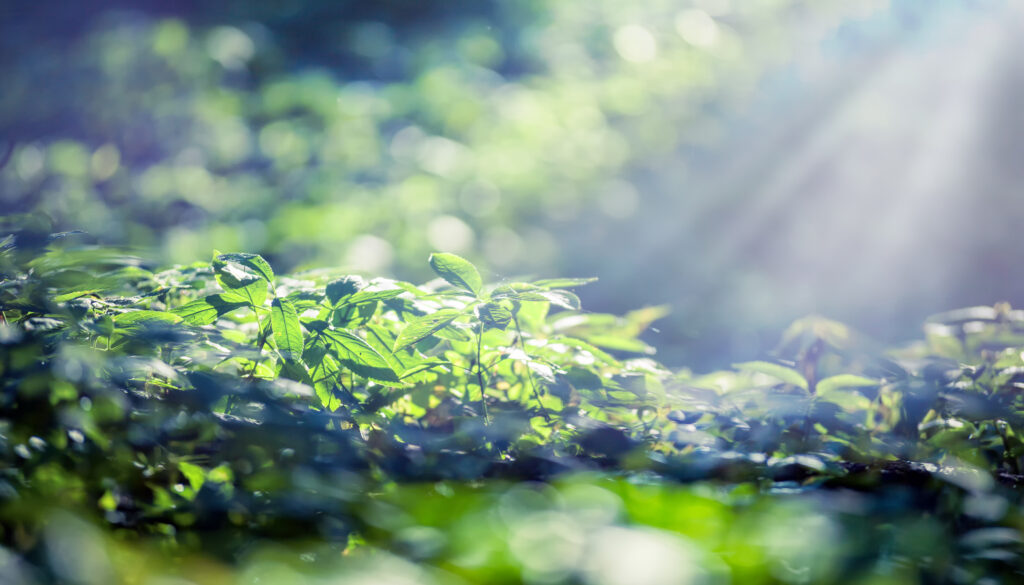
[746, 162]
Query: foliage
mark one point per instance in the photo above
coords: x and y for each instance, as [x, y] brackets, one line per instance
[245, 423]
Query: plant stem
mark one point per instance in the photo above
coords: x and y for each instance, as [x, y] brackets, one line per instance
[261, 340]
[529, 374]
[480, 372]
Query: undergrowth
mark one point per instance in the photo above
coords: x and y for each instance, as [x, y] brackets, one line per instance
[187, 421]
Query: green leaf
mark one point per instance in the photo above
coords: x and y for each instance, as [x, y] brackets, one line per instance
[350, 316]
[294, 369]
[366, 296]
[255, 294]
[424, 366]
[562, 298]
[284, 320]
[361, 358]
[422, 327]
[193, 473]
[136, 318]
[620, 343]
[833, 383]
[382, 341]
[241, 282]
[342, 287]
[413, 290]
[305, 299]
[221, 474]
[107, 501]
[207, 310]
[457, 271]
[454, 332]
[324, 374]
[581, 345]
[848, 400]
[252, 261]
[496, 315]
[542, 371]
[314, 325]
[75, 294]
[519, 291]
[780, 372]
[550, 283]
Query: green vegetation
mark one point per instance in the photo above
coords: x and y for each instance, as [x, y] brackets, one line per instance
[222, 423]
[287, 296]
[522, 135]
[185, 139]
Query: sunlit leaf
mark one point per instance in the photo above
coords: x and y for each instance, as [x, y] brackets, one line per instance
[618, 343]
[832, 383]
[207, 310]
[562, 298]
[495, 315]
[134, 318]
[287, 332]
[457, 271]
[193, 473]
[358, 356]
[241, 282]
[324, 372]
[777, 371]
[342, 287]
[75, 294]
[366, 296]
[253, 261]
[424, 326]
[551, 283]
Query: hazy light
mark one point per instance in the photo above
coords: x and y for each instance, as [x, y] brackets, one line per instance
[76, 551]
[230, 47]
[104, 162]
[635, 44]
[441, 156]
[697, 28]
[480, 198]
[372, 40]
[29, 162]
[619, 200]
[547, 544]
[69, 158]
[447, 233]
[502, 246]
[715, 7]
[170, 37]
[591, 505]
[230, 140]
[851, 192]
[280, 141]
[640, 556]
[405, 142]
[793, 545]
[369, 253]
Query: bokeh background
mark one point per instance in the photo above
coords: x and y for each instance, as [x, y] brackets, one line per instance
[745, 162]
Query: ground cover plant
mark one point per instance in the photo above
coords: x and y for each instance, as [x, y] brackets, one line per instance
[220, 423]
